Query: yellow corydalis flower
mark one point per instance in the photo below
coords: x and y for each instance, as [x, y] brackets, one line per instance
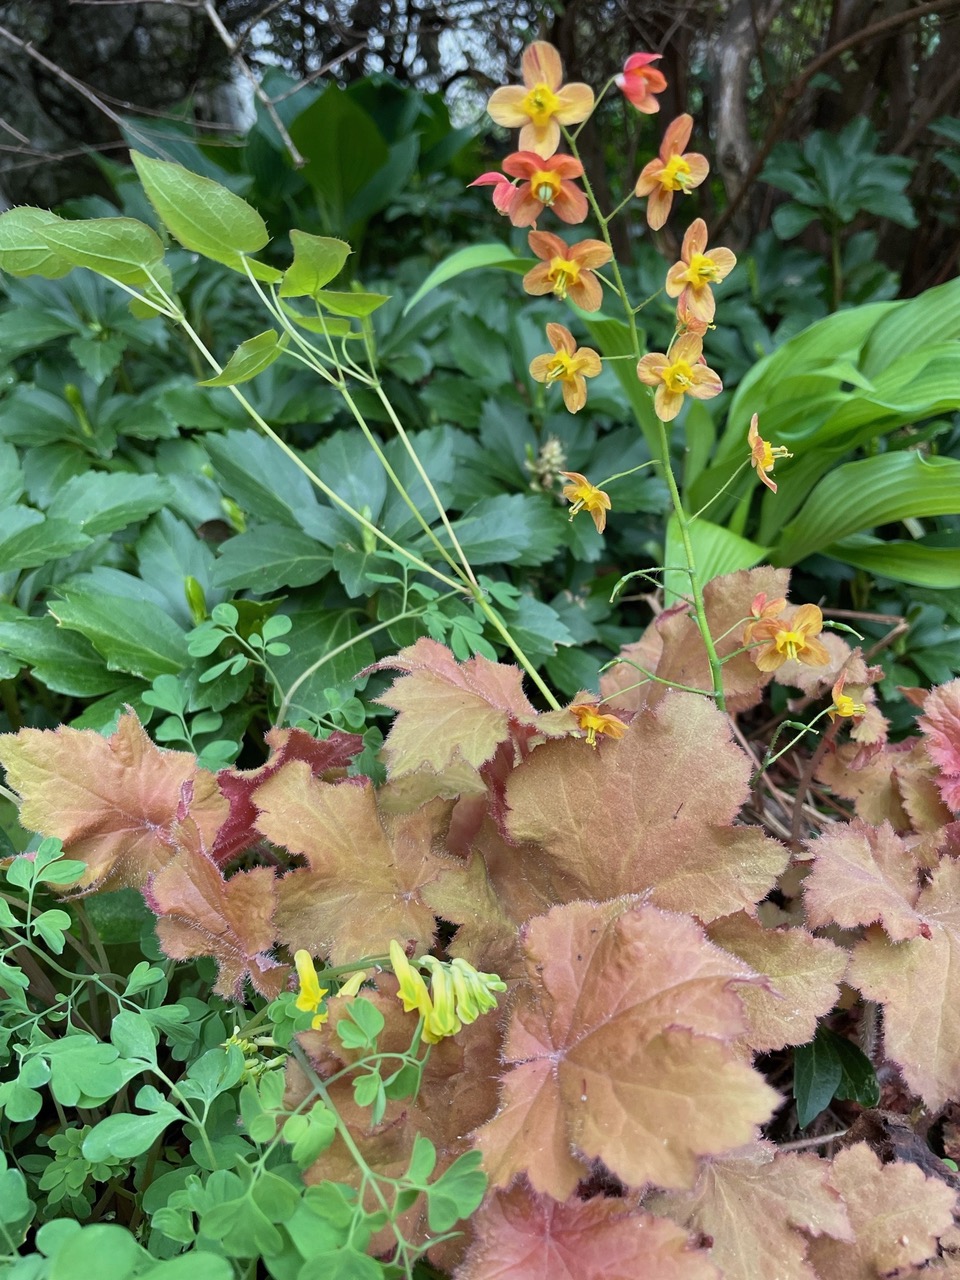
[458, 993]
[310, 995]
[763, 454]
[586, 497]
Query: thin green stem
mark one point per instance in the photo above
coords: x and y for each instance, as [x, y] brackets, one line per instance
[649, 675]
[518, 653]
[621, 474]
[596, 102]
[697, 514]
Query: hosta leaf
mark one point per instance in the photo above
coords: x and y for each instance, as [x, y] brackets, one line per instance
[916, 563]
[470, 259]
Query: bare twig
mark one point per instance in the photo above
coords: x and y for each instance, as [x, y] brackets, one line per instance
[804, 1144]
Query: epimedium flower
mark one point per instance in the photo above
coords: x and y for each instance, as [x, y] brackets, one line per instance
[310, 994]
[760, 608]
[763, 454]
[593, 721]
[567, 270]
[503, 189]
[679, 374]
[586, 497]
[843, 706]
[698, 269]
[569, 365]
[689, 323]
[639, 81]
[543, 103]
[790, 640]
[546, 184]
[671, 171]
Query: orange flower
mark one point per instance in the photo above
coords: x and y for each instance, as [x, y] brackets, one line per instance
[503, 189]
[698, 268]
[671, 171]
[688, 323]
[761, 607]
[793, 640]
[843, 705]
[763, 454]
[543, 104]
[548, 185]
[677, 375]
[569, 365]
[594, 721]
[639, 82]
[586, 497]
[566, 270]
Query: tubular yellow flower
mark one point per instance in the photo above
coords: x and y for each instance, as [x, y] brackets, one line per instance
[586, 497]
[458, 993]
[698, 269]
[843, 706]
[677, 375]
[594, 721]
[792, 640]
[442, 1020]
[473, 990]
[310, 995]
[543, 103]
[763, 454]
[569, 365]
[413, 990]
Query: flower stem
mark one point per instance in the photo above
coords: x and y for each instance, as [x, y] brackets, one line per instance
[518, 653]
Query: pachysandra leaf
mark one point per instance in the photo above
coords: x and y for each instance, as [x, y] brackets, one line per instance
[896, 1213]
[804, 972]
[520, 1234]
[862, 875]
[116, 803]
[915, 981]
[361, 886]
[199, 913]
[754, 1205]
[652, 812]
[940, 723]
[622, 1051]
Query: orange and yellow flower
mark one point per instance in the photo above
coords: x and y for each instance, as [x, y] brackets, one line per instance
[688, 323]
[569, 365]
[503, 189]
[679, 374]
[567, 270]
[761, 607]
[586, 497]
[547, 184]
[763, 454]
[698, 269]
[790, 640]
[639, 81]
[843, 706]
[543, 103]
[593, 721]
[671, 171]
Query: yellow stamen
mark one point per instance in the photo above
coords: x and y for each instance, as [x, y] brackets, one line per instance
[562, 367]
[790, 643]
[562, 274]
[702, 271]
[677, 377]
[675, 175]
[540, 104]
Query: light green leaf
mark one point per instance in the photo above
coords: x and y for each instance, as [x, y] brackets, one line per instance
[715, 549]
[119, 248]
[29, 539]
[23, 249]
[204, 216]
[333, 326]
[316, 261]
[913, 562]
[135, 636]
[123, 1137]
[249, 359]
[473, 258]
[350, 304]
[103, 1249]
[101, 502]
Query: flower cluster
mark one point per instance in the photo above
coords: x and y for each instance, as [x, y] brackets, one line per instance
[458, 993]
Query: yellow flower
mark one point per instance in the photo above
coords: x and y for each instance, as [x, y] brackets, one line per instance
[763, 454]
[678, 374]
[594, 721]
[458, 993]
[672, 170]
[569, 365]
[791, 640]
[442, 1019]
[543, 103]
[413, 990]
[310, 995]
[699, 267]
[473, 990]
[843, 706]
[586, 497]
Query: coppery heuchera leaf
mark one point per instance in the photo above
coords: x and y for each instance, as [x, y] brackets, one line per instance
[622, 1051]
[804, 973]
[862, 875]
[896, 1213]
[753, 1205]
[519, 1235]
[487, 938]
[915, 981]
[199, 913]
[940, 723]
[361, 886]
[652, 812]
[114, 802]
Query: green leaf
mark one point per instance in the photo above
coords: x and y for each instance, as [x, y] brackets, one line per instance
[316, 261]
[511, 528]
[204, 216]
[913, 562]
[134, 1036]
[62, 660]
[715, 549]
[51, 926]
[100, 502]
[122, 1137]
[474, 258]
[132, 635]
[350, 304]
[340, 1264]
[269, 557]
[29, 539]
[249, 359]
[104, 1250]
[24, 251]
[423, 1160]
[363, 1024]
[120, 248]
[613, 338]
[457, 1192]
[829, 1067]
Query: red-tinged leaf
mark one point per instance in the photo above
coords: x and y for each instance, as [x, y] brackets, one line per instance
[519, 1235]
[199, 913]
[238, 785]
[897, 1216]
[940, 723]
[864, 875]
[116, 802]
[804, 972]
[623, 1051]
[361, 886]
[871, 785]
[487, 938]
[915, 982]
[652, 812]
[624, 686]
[452, 714]
[754, 1205]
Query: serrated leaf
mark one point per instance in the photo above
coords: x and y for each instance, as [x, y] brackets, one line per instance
[862, 875]
[316, 261]
[136, 636]
[28, 538]
[24, 251]
[99, 502]
[249, 359]
[269, 557]
[356, 305]
[119, 248]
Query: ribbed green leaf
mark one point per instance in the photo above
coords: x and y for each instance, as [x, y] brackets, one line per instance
[470, 259]
[716, 550]
[931, 317]
[119, 248]
[912, 562]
